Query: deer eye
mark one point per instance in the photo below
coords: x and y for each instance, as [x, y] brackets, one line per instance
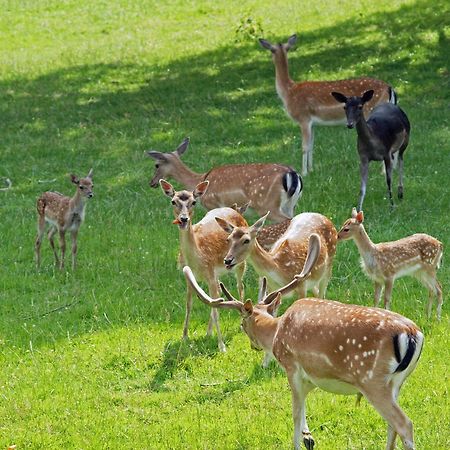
[345, 107]
[360, 106]
[194, 202]
[156, 166]
[81, 186]
[346, 229]
[173, 202]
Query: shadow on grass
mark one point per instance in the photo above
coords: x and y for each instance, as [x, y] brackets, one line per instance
[224, 99]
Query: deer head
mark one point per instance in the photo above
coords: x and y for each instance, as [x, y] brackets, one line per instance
[166, 163]
[279, 50]
[85, 185]
[351, 226]
[353, 106]
[183, 201]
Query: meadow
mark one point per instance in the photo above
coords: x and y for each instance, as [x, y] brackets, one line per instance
[94, 358]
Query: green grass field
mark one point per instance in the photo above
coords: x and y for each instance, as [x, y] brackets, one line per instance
[94, 359]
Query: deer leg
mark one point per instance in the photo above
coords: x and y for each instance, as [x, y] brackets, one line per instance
[74, 235]
[398, 422]
[214, 317]
[51, 235]
[378, 289]
[188, 311]
[388, 165]
[300, 389]
[364, 171]
[388, 285]
[38, 242]
[400, 175]
[240, 270]
[62, 243]
[307, 145]
[434, 289]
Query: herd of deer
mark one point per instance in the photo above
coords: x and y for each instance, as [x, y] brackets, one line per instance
[341, 348]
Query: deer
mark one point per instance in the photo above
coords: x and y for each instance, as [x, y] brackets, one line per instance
[203, 246]
[340, 348]
[64, 214]
[308, 102]
[268, 187]
[288, 253]
[385, 133]
[418, 255]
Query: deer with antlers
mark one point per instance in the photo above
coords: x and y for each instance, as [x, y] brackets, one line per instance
[309, 103]
[203, 246]
[340, 348]
[63, 214]
[266, 187]
[418, 255]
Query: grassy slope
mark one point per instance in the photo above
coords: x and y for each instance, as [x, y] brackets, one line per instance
[95, 84]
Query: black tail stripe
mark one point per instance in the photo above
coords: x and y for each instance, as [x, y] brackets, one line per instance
[404, 363]
[294, 184]
[392, 93]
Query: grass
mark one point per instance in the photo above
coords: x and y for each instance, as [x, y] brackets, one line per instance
[94, 359]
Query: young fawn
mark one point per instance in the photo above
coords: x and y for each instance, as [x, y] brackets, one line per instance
[418, 255]
[309, 102]
[340, 348]
[265, 187]
[385, 133]
[63, 214]
[203, 246]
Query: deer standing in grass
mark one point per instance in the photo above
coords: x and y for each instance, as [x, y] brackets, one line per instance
[63, 214]
[418, 255]
[267, 187]
[203, 246]
[340, 348]
[309, 103]
[385, 133]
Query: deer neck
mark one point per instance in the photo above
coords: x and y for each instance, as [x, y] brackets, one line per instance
[365, 246]
[282, 79]
[187, 177]
[363, 130]
[77, 203]
[265, 265]
[188, 245]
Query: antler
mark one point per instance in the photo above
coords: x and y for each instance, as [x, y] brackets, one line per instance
[205, 298]
[311, 259]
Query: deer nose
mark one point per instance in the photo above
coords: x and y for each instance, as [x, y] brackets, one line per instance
[91, 194]
[350, 125]
[228, 261]
[183, 219]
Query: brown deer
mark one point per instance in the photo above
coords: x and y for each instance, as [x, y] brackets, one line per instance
[418, 255]
[309, 102]
[382, 137]
[287, 255]
[63, 214]
[340, 348]
[203, 246]
[268, 187]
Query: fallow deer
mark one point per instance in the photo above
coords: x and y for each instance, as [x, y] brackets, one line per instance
[268, 187]
[418, 255]
[287, 255]
[203, 246]
[385, 133]
[63, 214]
[340, 348]
[308, 102]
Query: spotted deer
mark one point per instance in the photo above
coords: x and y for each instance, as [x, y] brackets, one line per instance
[418, 255]
[340, 348]
[309, 103]
[384, 135]
[63, 214]
[287, 255]
[267, 187]
[203, 246]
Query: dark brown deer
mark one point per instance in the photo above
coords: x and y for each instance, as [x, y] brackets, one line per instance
[385, 132]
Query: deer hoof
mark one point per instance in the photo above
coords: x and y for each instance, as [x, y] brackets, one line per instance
[400, 193]
[308, 441]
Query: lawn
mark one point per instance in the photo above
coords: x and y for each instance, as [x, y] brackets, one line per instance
[94, 358]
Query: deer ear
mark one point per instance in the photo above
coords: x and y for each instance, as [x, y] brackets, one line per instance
[226, 226]
[367, 96]
[91, 172]
[167, 188]
[256, 227]
[248, 308]
[182, 147]
[291, 42]
[354, 212]
[272, 308]
[360, 217]
[267, 45]
[74, 179]
[156, 155]
[200, 189]
[341, 98]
